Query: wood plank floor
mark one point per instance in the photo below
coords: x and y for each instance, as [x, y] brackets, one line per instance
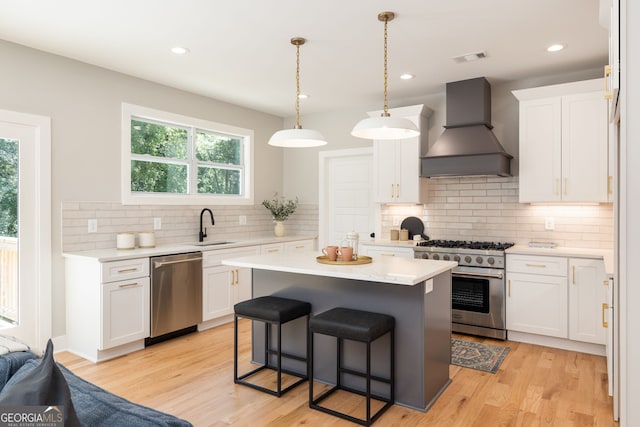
[192, 377]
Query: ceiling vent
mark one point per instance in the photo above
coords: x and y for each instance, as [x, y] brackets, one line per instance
[469, 57]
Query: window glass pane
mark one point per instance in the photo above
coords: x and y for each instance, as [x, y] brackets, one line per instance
[218, 148]
[159, 140]
[8, 187]
[218, 181]
[152, 177]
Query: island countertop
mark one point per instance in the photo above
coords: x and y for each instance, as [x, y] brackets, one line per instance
[393, 270]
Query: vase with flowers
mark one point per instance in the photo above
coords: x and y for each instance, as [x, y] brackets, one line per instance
[280, 209]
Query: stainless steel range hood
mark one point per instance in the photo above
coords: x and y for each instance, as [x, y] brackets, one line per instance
[468, 145]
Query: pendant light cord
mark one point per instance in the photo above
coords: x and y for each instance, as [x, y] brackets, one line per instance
[386, 106]
[298, 87]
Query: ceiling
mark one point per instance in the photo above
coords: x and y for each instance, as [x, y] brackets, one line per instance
[240, 50]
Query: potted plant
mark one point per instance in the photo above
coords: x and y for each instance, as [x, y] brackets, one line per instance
[280, 209]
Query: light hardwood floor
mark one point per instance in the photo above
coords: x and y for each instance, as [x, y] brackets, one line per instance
[192, 377]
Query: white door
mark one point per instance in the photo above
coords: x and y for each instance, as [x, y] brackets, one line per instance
[25, 235]
[346, 195]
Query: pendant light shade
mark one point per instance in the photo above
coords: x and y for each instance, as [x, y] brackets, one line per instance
[385, 126]
[297, 137]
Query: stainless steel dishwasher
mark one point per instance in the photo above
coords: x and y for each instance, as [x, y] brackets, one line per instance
[176, 295]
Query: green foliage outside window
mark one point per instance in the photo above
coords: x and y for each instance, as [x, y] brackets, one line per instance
[160, 160]
[8, 187]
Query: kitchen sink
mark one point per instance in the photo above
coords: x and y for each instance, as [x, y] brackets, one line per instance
[214, 243]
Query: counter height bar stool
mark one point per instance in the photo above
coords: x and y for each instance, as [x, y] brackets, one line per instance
[355, 325]
[272, 311]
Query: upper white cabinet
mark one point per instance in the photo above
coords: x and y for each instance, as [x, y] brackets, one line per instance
[563, 143]
[397, 163]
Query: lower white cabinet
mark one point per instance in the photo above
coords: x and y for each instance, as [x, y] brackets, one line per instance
[557, 297]
[125, 312]
[107, 305]
[224, 286]
[300, 246]
[587, 300]
[271, 248]
[375, 251]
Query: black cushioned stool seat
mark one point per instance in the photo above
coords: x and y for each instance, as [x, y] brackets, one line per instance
[276, 311]
[355, 325]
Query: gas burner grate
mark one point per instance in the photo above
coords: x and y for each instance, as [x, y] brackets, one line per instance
[500, 246]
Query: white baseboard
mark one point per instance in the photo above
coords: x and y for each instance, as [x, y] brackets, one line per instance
[565, 344]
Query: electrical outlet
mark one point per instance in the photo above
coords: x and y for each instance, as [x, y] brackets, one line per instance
[396, 220]
[549, 223]
[157, 223]
[242, 219]
[92, 226]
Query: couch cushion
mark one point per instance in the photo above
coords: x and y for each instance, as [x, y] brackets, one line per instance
[10, 363]
[42, 385]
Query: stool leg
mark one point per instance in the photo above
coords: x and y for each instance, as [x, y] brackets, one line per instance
[235, 348]
[392, 375]
[368, 383]
[310, 364]
[279, 355]
[267, 326]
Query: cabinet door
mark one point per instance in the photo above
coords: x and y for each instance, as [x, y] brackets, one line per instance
[537, 304]
[242, 285]
[300, 246]
[271, 248]
[408, 173]
[587, 296]
[584, 148]
[217, 292]
[540, 150]
[385, 171]
[125, 312]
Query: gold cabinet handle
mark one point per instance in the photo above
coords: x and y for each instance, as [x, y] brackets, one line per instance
[392, 185]
[605, 282]
[608, 94]
[509, 287]
[528, 264]
[397, 191]
[573, 274]
[610, 185]
[605, 306]
[129, 285]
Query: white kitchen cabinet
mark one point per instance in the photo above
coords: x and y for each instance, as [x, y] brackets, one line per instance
[537, 295]
[107, 305]
[587, 300]
[375, 251]
[300, 246]
[397, 162]
[563, 143]
[224, 286]
[271, 248]
[557, 297]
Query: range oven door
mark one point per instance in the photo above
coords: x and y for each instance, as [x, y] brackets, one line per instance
[478, 298]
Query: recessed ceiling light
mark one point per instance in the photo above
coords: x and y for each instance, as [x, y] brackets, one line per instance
[469, 57]
[179, 50]
[406, 76]
[303, 96]
[555, 47]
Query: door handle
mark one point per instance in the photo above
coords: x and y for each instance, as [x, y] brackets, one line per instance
[605, 306]
[608, 94]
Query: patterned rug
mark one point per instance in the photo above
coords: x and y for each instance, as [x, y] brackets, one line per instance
[474, 355]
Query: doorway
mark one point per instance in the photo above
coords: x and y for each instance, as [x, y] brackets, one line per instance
[25, 231]
[345, 195]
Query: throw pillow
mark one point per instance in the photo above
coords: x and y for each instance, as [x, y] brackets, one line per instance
[42, 386]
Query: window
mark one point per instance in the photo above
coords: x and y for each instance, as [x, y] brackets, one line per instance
[172, 159]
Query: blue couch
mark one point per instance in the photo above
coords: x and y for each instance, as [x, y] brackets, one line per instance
[94, 406]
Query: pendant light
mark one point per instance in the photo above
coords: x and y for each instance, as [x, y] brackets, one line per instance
[297, 137]
[385, 126]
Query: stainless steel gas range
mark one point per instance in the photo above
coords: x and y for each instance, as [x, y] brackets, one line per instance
[478, 284]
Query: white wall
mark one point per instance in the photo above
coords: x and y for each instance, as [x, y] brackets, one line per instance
[84, 104]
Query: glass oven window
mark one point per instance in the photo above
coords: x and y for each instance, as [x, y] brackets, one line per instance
[470, 294]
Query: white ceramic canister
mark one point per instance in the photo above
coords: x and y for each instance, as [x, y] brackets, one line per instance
[125, 240]
[146, 239]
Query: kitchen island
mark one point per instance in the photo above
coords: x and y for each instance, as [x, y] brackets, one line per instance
[417, 293]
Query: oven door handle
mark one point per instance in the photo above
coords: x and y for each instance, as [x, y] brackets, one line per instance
[492, 276]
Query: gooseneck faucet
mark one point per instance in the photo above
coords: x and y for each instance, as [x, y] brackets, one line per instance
[203, 231]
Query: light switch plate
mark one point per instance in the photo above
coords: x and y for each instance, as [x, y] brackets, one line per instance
[157, 223]
[549, 223]
[242, 219]
[92, 226]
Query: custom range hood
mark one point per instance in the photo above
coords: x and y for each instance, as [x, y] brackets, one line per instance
[468, 145]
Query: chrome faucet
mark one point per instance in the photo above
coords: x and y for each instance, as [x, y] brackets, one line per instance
[203, 232]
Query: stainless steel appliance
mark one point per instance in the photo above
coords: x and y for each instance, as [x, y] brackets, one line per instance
[176, 295]
[478, 284]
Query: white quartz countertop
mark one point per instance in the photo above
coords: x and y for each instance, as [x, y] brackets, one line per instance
[605, 254]
[113, 254]
[394, 270]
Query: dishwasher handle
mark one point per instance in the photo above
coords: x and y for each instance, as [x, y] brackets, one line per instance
[158, 264]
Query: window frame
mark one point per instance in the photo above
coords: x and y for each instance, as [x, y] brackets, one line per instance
[131, 111]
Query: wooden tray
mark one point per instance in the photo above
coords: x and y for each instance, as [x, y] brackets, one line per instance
[361, 260]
